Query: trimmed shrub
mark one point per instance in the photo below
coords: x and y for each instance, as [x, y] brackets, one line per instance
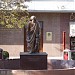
[5, 55]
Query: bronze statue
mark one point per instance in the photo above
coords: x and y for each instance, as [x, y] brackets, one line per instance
[33, 31]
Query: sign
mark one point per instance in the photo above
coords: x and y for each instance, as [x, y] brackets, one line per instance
[72, 29]
[49, 36]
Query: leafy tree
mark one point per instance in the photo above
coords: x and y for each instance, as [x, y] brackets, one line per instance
[13, 17]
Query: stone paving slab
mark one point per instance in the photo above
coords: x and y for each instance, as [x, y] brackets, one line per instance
[38, 72]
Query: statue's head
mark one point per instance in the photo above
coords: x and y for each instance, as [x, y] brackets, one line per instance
[33, 18]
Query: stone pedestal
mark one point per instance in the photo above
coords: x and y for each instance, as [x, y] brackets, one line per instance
[33, 61]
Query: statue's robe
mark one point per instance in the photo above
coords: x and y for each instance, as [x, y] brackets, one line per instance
[33, 31]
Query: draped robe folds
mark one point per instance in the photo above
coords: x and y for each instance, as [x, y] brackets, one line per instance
[33, 37]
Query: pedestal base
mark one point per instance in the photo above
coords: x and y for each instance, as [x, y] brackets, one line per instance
[33, 61]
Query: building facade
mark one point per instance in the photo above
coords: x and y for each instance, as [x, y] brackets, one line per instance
[55, 15]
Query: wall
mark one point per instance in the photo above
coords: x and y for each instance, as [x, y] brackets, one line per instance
[55, 23]
[13, 40]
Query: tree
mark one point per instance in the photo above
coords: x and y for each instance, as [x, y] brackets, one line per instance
[13, 14]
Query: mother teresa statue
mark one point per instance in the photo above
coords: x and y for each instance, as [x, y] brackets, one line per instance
[33, 33]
